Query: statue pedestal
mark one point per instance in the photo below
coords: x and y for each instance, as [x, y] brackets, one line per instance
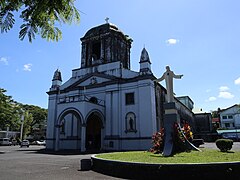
[170, 118]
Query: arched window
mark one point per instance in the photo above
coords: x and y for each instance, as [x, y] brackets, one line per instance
[69, 125]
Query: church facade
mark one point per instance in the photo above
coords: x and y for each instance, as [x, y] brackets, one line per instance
[105, 105]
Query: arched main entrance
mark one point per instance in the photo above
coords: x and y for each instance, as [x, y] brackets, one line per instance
[93, 132]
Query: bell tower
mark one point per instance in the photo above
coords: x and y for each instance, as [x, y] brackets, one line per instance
[105, 44]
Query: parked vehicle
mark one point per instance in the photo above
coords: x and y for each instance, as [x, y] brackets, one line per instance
[5, 142]
[14, 142]
[25, 143]
[41, 142]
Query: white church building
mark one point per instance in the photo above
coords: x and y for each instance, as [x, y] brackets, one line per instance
[105, 105]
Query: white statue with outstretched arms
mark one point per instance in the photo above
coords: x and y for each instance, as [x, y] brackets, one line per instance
[168, 76]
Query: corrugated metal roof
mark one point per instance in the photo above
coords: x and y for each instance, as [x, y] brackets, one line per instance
[228, 131]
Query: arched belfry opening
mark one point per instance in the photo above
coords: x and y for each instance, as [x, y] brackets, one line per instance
[93, 132]
[105, 44]
[96, 51]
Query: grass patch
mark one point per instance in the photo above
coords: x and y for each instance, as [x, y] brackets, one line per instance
[206, 156]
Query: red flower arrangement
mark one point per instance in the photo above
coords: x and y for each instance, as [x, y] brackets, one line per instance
[187, 132]
[158, 142]
[181, 135]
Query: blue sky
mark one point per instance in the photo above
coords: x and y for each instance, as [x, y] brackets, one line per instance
[199, 39]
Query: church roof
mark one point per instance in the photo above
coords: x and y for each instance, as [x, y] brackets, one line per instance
[105, 28]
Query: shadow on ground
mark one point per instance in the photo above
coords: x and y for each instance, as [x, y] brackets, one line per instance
[61, 152]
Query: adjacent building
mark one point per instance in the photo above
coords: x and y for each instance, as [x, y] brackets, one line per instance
[230, 117]
[230, 122]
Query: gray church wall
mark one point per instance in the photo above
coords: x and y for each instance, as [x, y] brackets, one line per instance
[52, 113]
[69, 144]
[127, 108]
[117, 110]
[130, 74]
[114, 113]
[147, 113]
[132, 144]
[112, 69]
[186, 115]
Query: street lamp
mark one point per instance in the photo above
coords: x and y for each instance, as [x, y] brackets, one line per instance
[21, 131]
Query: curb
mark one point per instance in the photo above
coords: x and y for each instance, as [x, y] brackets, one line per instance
[129, 170]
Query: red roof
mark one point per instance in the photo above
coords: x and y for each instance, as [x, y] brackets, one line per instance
[215, 119]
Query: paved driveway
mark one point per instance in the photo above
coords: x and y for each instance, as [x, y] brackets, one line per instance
[30, 163]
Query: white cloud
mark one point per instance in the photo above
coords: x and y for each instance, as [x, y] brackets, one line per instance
[172, 41]
[237, 81]
[225, 95]
[208, 90]
[212, 98]
[4, 60]
[223, 88]
[27, 67]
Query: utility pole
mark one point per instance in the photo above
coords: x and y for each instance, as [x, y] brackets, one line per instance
[21, 132]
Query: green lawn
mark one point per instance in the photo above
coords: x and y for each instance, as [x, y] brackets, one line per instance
[206, 156]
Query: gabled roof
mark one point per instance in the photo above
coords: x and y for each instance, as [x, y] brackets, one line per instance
[80, 83]
[222, 110]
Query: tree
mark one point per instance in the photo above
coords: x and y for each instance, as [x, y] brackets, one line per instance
[37, 125]
[39, 17]
[215, 114]
[28, 119]
[39, 114]
[9, 112]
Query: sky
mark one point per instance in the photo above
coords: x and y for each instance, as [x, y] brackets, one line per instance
[199, 39]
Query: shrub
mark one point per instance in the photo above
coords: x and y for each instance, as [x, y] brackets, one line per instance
[224, 144]
[158, 142]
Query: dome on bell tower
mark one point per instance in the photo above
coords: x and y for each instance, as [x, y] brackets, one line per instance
[105, 44]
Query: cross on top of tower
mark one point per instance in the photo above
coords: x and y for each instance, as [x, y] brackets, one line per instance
[107, 19]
